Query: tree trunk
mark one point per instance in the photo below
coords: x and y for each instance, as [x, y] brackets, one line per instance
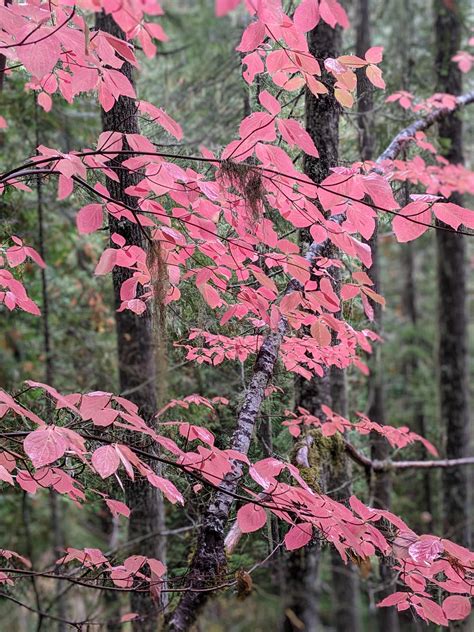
[451, 271]
[56, 511]
[409, 309]
[387, 618]
[345, 585]
[302, 606]
[136, 357]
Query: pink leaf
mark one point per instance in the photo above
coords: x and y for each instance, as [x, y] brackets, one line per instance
[412, 221]
[5, 475]
[45, 445]
[298, 536]
[210, 295]
[432, 611]
[159, 116]
[306, 15]
[26, 481]
[393, 600]
[225, 6]
[295, 135]
[117, 507]
[454, 215]
[269, 102]
[105, 460]
[456, 607]
[252, 37]
[167, 487]
[425, 550]
[374, 75]
[251, 517]
[374, 54]
[65, 187]
[89, 218]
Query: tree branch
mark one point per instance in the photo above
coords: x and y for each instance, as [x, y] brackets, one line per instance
[389, 465]
[209, 560]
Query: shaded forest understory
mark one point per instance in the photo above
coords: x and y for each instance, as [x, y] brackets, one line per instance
[236, 298]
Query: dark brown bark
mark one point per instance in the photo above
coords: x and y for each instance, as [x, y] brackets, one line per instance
[135, 344]
[451, 271]
[365, 91]
[302, 585]
[322, 123]
[322, 113]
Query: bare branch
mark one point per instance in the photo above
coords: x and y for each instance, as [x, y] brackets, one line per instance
[388, 464]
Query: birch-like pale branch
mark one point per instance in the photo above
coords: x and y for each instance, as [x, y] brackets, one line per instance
[389, 465]
[210, 559]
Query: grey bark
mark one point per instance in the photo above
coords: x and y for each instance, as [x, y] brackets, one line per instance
[135, 346]
[56, 511]
[209, 561]
[410, 311]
